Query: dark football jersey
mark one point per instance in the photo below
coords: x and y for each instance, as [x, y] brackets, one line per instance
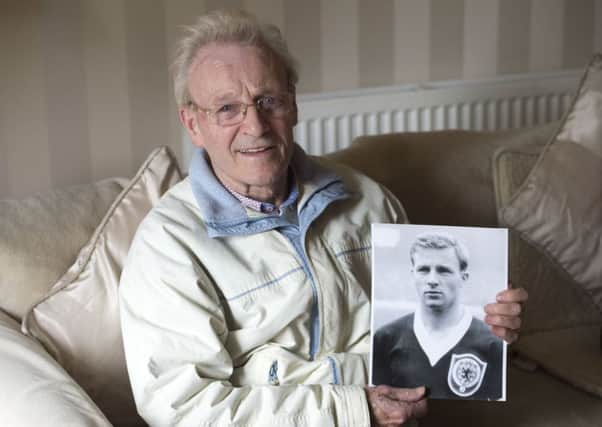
[472, 369]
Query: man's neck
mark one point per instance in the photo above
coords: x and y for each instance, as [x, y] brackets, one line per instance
[262, 194]
[275, 193]
[435, 320]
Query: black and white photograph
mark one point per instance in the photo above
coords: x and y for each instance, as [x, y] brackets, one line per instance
[429, 287]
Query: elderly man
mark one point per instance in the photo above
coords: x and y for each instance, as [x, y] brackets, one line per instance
[245, 299]
[441, 345]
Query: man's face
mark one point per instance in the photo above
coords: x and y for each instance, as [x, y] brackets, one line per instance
[438, 278]
[252, 156]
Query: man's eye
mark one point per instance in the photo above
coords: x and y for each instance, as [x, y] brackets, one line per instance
[443, 270]
[227, 108]
[423, 270]
[267, 102]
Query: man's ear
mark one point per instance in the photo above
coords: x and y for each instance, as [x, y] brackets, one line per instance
[189, 120]
[465, 275]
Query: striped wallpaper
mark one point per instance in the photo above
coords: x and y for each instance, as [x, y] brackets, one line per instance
[85, 90]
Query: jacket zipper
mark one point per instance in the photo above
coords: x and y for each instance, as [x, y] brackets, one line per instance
[314, 319]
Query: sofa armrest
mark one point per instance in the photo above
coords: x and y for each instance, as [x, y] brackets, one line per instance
[35, 390]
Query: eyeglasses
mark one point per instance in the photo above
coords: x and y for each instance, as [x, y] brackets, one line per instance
[270, 106]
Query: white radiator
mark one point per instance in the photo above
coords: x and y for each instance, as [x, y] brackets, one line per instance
[330, 121]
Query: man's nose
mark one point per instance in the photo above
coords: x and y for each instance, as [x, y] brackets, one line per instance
[255, 124]
[432, 280]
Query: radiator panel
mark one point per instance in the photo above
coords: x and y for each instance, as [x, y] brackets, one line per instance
[329, 123]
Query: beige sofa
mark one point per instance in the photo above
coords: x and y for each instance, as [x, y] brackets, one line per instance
[441, 177]
[61, 254]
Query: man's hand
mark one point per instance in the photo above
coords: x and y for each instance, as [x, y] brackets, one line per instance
[392, 407]
[503, 316]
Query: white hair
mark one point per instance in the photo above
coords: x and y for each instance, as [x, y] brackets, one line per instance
[224, 26]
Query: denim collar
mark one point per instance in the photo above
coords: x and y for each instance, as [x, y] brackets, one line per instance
[224, 215]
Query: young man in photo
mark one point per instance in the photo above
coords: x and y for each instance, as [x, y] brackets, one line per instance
[441, 345]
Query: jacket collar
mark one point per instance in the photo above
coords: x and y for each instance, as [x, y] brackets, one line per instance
[225, 215]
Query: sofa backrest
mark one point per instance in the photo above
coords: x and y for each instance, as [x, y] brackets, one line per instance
[441, 178]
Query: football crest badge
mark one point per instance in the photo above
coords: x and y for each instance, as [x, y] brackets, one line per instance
[466, 373]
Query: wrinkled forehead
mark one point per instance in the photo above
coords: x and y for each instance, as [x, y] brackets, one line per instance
[229, 69]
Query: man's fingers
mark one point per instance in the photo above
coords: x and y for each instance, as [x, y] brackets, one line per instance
[506, 334]
[407, 394]
[504, 309]
[392, 406]
[396, 393]
[407, 411]
[401, 413]
[512, 295]
[508, 303]
[509, 322]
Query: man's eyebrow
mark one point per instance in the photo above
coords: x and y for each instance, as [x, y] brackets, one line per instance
[232, 97]
[225, 98]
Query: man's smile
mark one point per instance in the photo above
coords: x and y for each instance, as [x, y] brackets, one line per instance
[255, 150]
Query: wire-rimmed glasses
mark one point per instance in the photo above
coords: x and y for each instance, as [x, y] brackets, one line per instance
[230, 114]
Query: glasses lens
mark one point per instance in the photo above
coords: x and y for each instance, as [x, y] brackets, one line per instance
[229, 114]
[268, 105]
[274, 105]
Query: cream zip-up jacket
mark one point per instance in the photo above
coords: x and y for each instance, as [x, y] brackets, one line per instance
[228, 319]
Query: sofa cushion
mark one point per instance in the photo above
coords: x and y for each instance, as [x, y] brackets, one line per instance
[78, 321]
[561, 321]
[35, 390]
[41, 235]
[572, 354]
[554, 303]
[535, 399]
[561, 324]
[441, 178]
[558, 208]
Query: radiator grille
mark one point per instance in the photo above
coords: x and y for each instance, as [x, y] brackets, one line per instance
[330, 123]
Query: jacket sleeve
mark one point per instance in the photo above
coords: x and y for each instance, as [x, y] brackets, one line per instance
[175, 334]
